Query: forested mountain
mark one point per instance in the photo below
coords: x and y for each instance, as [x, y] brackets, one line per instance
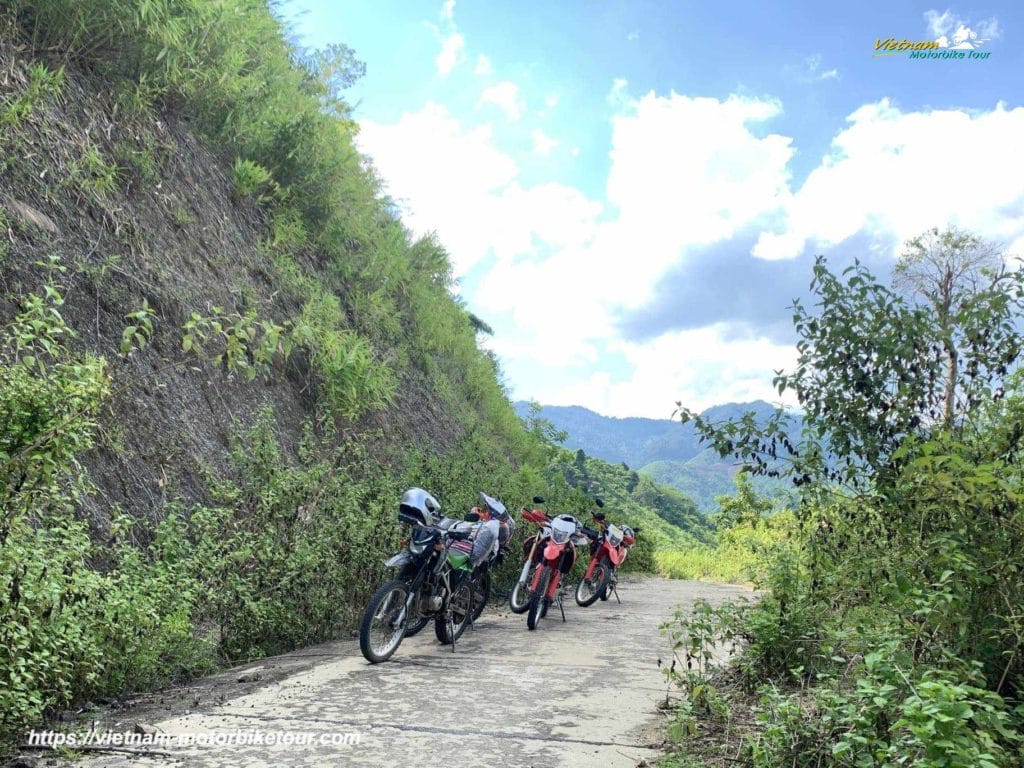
[668, 451]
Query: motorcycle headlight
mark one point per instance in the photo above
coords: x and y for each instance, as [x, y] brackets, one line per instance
[560, 537]
[421, 539]
[417, 547]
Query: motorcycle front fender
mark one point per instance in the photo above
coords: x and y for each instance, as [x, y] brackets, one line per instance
[553, 551]
[526, 571]
[397, 561]
[616, 555]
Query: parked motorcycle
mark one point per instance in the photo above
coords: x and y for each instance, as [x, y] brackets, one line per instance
[433, 582]
[558, 542]
[519, 599]
[609, 546]
[491, 528]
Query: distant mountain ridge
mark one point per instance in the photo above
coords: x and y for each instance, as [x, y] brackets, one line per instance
[665, 449]
[634, 440]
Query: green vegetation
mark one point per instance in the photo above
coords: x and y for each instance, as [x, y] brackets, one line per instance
[750, 533]
[669, 520]
[890, 629]
[42, 83]
[347, 316]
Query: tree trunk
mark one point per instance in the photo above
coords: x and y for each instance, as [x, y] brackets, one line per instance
[949, 398]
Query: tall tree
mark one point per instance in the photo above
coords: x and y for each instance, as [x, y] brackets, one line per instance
[950, 270]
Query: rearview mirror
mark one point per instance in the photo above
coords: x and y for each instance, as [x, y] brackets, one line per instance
[472, 517]
[636, 530]
[599, 501]
[538, 499]
[599, 515]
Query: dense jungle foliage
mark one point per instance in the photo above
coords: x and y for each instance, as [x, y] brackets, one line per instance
[891, 626]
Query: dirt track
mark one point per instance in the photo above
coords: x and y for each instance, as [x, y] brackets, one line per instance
[582, 693]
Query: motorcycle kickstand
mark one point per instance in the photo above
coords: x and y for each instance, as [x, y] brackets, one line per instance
[561, 607]
[615, 590]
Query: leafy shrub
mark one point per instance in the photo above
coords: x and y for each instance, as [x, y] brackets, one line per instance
[352, 380]
[252, 180]
[68, 629]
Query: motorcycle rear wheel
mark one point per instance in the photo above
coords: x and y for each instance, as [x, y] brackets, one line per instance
[481, 593]
[461, 603]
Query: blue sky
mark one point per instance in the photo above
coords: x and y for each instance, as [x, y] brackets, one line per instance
[632, 192]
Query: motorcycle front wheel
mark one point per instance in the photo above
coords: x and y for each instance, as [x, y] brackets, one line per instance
[589, 590]
[538, 605]
[381, 632]
[416, 625]
[607, 591]
[519, 600]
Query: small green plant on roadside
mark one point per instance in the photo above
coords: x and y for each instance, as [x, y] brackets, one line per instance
[140, 161]
[5, 234]
[182, 217]
[352, 380]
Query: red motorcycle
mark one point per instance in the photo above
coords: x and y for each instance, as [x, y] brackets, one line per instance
[609, 546]
[556, 544]
[519, 599]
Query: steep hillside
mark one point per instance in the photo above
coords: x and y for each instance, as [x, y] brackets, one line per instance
[669, 515]
[707, 476]
[222, 356]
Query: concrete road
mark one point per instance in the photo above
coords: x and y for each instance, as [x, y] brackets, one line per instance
[582, 693]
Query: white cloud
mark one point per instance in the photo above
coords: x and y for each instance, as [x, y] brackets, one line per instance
[542, 143]
[617, 96]
[633, 36]
[689, 171]
[483, 66]
[812, 71]
[551, 100]
[452, 53]
[505, 96]
[443, 175]
[453, 44]
[897, 173]
[685, 172]
[939, 23]
[700, 367]
[454, 180]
